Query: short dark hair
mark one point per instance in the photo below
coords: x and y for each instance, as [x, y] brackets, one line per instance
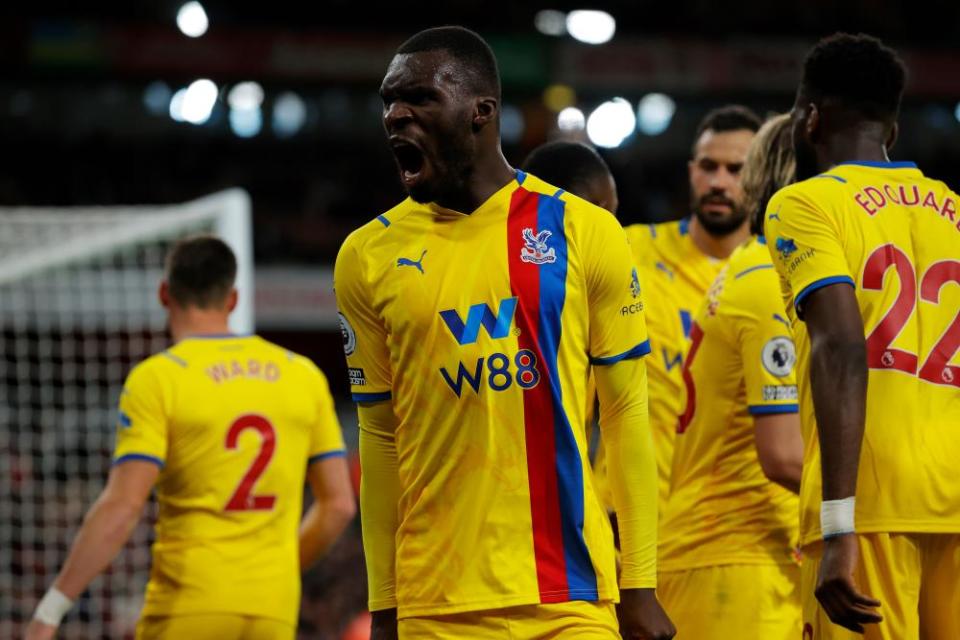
[568, 165]
[467, 47]
[200, 271]
[858, 72]
[732, 117]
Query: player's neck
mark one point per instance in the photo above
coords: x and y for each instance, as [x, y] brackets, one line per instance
[490, 174]
[856, 144]
[185, 323]
[719, 247]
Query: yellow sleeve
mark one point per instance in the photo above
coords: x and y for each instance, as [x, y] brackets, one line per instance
[326, 437]
[804, 240]
[379, 496]
[766, 343]
[618, 329]
[631, 468]
[143, 417]
[364, 335]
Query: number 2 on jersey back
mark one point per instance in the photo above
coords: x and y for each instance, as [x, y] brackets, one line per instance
[243, 498]
[880, 355]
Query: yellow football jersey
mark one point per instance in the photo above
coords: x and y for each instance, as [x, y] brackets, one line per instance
[481, 329]
[894, 235]
[722, 509]
[233, 422]
[676, 275]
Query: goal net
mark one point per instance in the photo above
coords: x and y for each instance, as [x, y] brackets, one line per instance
[78, 308]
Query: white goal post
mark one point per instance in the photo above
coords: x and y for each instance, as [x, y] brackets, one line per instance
[78, 308]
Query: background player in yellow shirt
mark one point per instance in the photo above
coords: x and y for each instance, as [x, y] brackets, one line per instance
[578, 169]
[227, 428]
[869, 254]
[678, 262]
[471, 313]
[728, 531]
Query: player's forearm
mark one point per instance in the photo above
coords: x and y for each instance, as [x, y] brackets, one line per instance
[838, 381]
[320, 528]
[379, 496]
[105, 530]
[631, 468]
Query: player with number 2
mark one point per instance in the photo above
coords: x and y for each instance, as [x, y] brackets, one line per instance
[227, 428]
[868, 251]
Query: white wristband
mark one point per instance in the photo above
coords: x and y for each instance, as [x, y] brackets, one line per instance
[836, 517]
[52, 607]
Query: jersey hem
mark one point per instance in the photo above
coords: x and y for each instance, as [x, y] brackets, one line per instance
[912, 526]
[414, 611]
[376, 396]
[127, 457]
[638, 351]
[669, 567]
[162, 611]
[819, 284]
[767, 409]
[337, 453]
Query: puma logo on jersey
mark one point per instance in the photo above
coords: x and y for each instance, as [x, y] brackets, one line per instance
[407, 262]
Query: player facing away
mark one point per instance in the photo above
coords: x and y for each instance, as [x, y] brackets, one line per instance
[868, 251]
[578, 169]
[479, 516]
[678, 262]
[227, 428]
[729, 529]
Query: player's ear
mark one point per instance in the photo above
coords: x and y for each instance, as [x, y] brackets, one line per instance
[232, 300]
[892, 136]
[486, 109]
[163, 294]
[811, 128]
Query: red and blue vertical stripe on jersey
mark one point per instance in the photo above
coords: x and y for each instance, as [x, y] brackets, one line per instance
[554, 468]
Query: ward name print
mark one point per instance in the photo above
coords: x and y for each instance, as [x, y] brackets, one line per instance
[248, 369]
[499, 371]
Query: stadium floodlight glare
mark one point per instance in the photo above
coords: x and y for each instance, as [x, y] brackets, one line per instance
[289, 114]
[550, 22]
[192, 20]
[199, 100]
[176, 104]
[654, 113]
[156, 97]
[590, 26]
[246, 123]
[245, 96]
[571, 119]
[610, 123]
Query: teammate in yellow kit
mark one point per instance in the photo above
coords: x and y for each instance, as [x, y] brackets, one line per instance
[227, 428]
[678, 262]
[578, 168]
[868, 253]
[727, 553]
[479, 517]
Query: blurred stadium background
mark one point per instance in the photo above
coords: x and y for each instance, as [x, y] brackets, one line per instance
[160, 102]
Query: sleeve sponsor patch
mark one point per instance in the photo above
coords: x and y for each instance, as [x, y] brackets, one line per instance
[779, 356]
[349, 335]
[773, 393]
[357, 378]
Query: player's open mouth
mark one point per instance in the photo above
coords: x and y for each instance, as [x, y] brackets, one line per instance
[410, 159]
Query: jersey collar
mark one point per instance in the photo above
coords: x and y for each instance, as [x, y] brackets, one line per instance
[877, 164]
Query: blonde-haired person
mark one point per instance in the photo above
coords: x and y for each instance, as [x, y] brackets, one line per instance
[729, 530]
